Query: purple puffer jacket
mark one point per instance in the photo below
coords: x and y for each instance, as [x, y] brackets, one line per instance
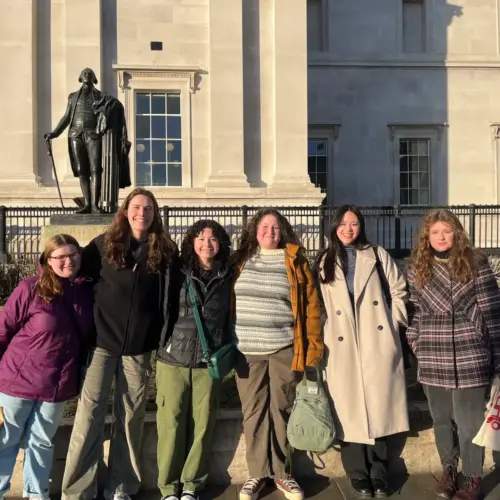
[41, 350]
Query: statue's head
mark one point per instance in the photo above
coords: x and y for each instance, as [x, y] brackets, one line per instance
[87, 77]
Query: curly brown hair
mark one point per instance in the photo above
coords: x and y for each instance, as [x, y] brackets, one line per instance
[462, 259]
[248, 243]
[161, 248]
[48, 284]
[188, 255]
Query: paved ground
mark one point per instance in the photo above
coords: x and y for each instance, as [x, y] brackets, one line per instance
[410, 488]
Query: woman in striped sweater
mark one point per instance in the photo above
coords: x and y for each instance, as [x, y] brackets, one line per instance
[278, 333]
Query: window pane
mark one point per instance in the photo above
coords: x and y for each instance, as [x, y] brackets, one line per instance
[424, 181]
[143, 177]
[413, 197]
[158, 104]
[174, 127]
[404, 197]
[173, 104]
[413, 163]
[403, 147]
[312, 147]
[403, 181]
[142, 127]
[311, 164]
[423, 164]
[142, 104]
[159, 151]
[321, 164]
[142, 151]
[159, 175]
[174, 150]
[322, 148]
[158, 128]
[175, 174]
[403, 164]
[423, 148]
[424, 196]
[413, 147]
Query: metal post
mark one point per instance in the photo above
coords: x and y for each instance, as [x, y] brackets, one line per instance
[321, 228]
[244, 216]
[397, 229]
[472, 224]
[165, 216]
[3, 234]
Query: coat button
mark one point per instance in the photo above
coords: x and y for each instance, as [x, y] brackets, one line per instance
[339, 313]
[341, 339]
[380, 327]
[375, 302]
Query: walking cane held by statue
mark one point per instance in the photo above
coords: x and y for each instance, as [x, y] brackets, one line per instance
[49, 152]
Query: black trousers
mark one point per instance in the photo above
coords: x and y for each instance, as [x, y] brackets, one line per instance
[457, 415]
[87, 154]
[362, 461]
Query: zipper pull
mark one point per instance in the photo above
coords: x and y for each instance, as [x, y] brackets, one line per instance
[135, 267]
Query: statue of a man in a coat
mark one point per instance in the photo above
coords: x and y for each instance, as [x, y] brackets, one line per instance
[84, 118]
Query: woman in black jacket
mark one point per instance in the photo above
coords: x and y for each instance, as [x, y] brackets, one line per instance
[131, 265]
[187, 397]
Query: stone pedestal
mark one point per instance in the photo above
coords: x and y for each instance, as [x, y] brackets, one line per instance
[82, 227]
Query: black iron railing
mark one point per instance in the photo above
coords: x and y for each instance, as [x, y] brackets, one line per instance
[393, 227]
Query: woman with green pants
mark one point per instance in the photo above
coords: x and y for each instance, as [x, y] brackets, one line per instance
[187, 397]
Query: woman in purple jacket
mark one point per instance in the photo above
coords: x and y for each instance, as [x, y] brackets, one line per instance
[43, 331]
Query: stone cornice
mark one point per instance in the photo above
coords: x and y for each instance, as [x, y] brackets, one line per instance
[127, 71]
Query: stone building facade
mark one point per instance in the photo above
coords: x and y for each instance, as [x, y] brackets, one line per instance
[215, 93]
[263, 102]
[404, 100]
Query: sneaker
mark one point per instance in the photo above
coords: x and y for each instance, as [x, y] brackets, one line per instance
[290, 488]
[170, 497]
[121, 496]
[251, 488]
[189, 495]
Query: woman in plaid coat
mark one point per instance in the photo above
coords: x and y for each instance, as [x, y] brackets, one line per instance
[455, 334]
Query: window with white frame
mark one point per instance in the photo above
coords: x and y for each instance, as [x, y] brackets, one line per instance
[158, 139]
[413, 26]
[317, 162]
[414, 171]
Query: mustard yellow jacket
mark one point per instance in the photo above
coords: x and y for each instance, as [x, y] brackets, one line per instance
[308, 339]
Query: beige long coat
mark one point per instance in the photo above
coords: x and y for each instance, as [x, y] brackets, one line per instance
[364, 364]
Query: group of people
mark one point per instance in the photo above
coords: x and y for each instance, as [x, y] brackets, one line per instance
[89, 322]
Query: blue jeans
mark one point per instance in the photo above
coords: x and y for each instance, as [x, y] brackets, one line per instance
[36, 423]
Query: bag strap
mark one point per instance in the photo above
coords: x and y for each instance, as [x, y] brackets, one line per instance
[383, 278]
[197, 319]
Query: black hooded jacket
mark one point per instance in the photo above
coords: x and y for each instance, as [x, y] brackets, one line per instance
[129, 302]
[180, 344]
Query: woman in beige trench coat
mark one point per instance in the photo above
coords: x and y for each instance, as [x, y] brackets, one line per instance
[364, 370]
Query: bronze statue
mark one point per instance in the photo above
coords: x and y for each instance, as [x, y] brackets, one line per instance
[90, 115]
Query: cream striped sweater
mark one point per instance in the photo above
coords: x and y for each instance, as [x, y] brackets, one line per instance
[264, 318]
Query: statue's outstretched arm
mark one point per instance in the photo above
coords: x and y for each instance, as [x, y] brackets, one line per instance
[63, 123]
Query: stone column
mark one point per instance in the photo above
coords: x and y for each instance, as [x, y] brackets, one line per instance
[226, 97]
[290, 97]
[76, 44]
[18, 90]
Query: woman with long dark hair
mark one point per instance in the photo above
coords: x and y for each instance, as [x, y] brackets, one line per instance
[45, 327]
[278, 333]
[131, 265]
[455, 335]
[364, 297]
[187, 397]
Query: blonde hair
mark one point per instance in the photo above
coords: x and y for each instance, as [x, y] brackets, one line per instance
[462, 261]
[48, 284]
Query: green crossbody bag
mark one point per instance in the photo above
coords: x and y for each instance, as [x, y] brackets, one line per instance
[223, 360]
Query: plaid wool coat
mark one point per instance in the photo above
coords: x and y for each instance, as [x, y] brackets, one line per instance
[455, 328]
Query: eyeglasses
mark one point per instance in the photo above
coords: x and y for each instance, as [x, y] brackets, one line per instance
[62, 258]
